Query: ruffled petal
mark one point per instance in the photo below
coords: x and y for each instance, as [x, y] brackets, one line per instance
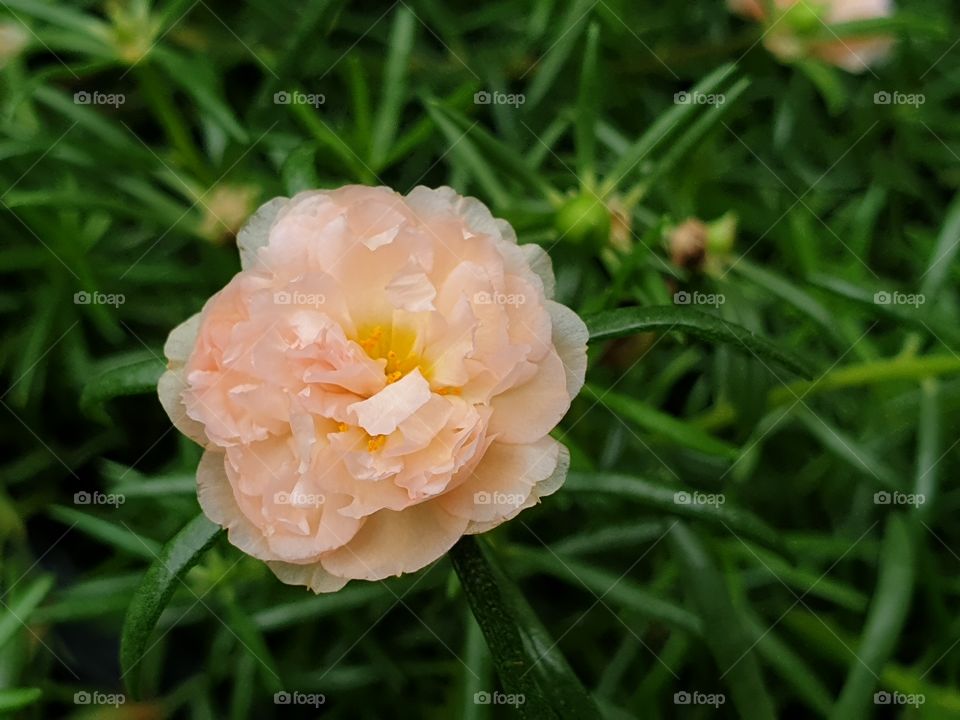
[392, 543]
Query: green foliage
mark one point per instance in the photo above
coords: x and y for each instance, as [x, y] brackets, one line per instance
[742, 517]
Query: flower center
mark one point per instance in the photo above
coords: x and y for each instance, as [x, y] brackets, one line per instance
[395, 345]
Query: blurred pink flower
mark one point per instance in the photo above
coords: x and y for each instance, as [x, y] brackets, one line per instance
[378, 380]
[784, 33]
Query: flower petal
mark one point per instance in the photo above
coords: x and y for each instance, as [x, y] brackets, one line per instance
[506, 479]
[218, 503]
[380, 414]
[391, 543]
[312, 575]
[570, 336]
[512, 420]
[256, 231]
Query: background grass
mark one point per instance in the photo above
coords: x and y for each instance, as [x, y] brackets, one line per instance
[800, 596]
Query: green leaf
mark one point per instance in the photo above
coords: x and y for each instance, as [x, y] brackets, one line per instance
[476, 673]
[162, 578]
[394, 86]
[107, 532]
[17, 611]
[328, 138]
[509, 161]
[90, 599]
[667, 499]
[353, 596]
[665, 126]
[925, 320]
[885, 620]
[929, 455]
[610, 586]
[784, 659]
[785, 290]
[567, 695]
[200, 82]
[138, 376]
[847, 449]
[500, 611]
[12, 699]
[463, 149]
[660, 423]
[610, 324]
[588, 108]
[828, 83]
[726, 636]
[938, 270]
[64, 17]
[551, 61]
[692, 138]
[251, 639]
[805, 581]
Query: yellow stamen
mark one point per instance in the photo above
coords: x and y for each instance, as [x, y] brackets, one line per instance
[394, 376]
[342, 427]
[376, 442]
[372, 340]
[449, 391]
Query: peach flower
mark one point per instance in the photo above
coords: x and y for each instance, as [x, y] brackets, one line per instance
[378, 380]
[784, 34]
